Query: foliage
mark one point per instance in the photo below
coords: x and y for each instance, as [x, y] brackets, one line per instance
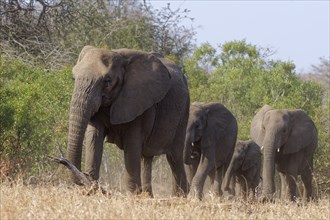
[51, 32]
[321, 74]
[244, 80]
[34, 109]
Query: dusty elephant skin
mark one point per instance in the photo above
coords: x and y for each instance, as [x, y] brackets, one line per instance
[289, 139]
[244, 167]
[140, 102]
[210, 140]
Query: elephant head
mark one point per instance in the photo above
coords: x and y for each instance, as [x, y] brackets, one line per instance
[279, 132]
[126, 82]
[195, 129]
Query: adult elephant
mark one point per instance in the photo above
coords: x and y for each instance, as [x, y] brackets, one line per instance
[289, 139]
[138, 100]
[244, 167]
[210, 139]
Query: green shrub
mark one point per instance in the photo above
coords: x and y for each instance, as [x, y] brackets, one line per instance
[34, 111]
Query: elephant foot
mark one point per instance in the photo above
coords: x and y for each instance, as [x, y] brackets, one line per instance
[228, 195]
[179, 193]
[193, 194]
[296, 200]
[145, 195]
[134, 188]
[94, 189]
[266, 199]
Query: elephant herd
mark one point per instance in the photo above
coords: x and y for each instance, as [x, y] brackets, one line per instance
[140, 102]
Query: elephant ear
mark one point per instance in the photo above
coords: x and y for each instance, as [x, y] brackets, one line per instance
[301, 132]
[252, 156]
[146, 82]
[218, 117]
[256, 132]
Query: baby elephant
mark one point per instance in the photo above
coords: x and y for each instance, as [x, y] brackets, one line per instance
[210, 140]
[245, 168]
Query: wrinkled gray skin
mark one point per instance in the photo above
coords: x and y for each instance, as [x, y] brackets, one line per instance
[245, 167]
[138, 100]
[289, 139]
[210, 140]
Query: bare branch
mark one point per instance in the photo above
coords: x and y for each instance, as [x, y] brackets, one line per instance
[91, 186]
[77, 173]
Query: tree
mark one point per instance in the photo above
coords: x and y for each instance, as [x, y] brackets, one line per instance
[197, 69]
[34, 108]
[53, 32]
[320, 74]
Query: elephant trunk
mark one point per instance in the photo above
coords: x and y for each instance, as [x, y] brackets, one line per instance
[80, 113]
[187, 149]
[227, 178]
[268, 171]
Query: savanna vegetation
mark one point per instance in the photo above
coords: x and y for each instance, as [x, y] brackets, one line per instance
[40, 41]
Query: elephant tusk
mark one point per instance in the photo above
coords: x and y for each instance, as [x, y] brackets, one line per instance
[278, 149]
[194, 155]
[262, 147]
[192, 143]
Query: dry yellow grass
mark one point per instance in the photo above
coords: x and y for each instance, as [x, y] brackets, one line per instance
[19, 201]
[40, 200]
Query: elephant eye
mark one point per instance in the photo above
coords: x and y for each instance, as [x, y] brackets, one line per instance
[107, 81]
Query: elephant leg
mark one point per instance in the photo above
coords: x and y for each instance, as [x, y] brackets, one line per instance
[212, 175]
[244, 187]
[133, 172]
[207, 162]
[233, 183]
[306, 177]
[219, 173]
[146, 175]
[175, 160]
[180, 184]
[132, 142]
[94, 148]
[284, 186]
[292, 186]
[190, 171]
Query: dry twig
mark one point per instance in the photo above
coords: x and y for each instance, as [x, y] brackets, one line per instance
[91, 185]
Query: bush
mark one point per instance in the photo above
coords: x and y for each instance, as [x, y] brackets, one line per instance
[34, 111]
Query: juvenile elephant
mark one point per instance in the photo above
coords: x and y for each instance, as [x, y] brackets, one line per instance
[245, 167]
[210, 140]
[138, 100]
[289, 139]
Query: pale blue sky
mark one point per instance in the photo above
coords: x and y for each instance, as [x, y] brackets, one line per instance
[297, 30]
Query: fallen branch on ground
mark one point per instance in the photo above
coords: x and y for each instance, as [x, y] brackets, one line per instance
[92, 186]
